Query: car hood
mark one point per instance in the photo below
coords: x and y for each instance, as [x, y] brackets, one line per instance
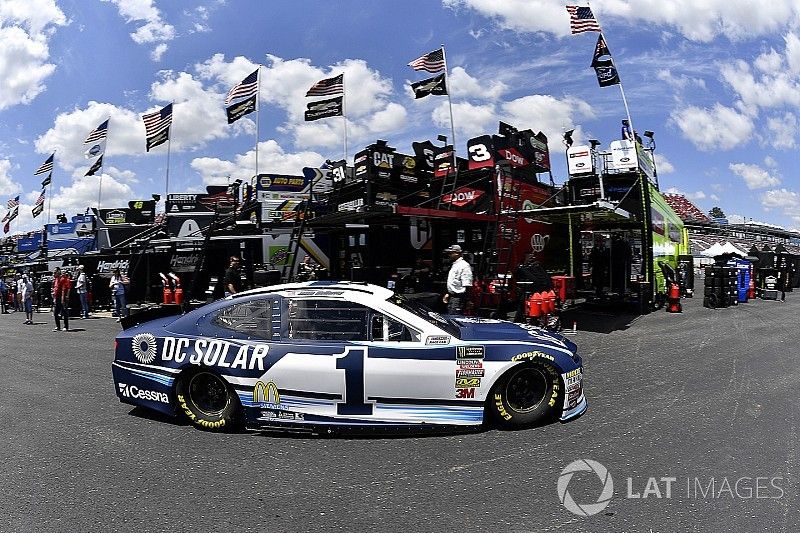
[486, 329]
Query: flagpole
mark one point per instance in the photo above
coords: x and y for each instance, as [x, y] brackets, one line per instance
[621, 90]
[103, 154]
[344, 117]
[450, 103]
[169, 149]
[258, 116]
[50, 196]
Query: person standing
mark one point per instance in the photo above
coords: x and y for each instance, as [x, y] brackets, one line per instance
[61, 287]
[27, 299]
[83, 292]
[118, 287]
[3, 296]
[233, 277]
[20, 305]
[459, 279]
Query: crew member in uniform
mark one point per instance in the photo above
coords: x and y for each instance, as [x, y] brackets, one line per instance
[459, 279]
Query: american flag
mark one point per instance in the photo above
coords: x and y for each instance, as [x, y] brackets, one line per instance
[13, 202]
[328, 86]
[47, 166]
[156, 126]
[582, 20]
[245, 89]
[100, 132]
[40, 200]
[430, 62]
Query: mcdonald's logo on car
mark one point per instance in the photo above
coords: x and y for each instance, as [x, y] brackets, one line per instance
[263, 392]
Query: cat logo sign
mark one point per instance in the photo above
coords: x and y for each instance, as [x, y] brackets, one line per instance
[266, 393]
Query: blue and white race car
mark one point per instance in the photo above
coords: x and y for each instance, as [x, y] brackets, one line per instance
[317, 354]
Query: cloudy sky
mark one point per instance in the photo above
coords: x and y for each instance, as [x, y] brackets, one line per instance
[718, 81]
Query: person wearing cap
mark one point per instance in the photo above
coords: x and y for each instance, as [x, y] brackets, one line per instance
[459, 279]
[83, 292]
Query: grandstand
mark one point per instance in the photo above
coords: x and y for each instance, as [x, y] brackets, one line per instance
[703, 233]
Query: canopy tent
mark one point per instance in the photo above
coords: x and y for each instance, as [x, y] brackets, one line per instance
[729, 248]
[713, 250]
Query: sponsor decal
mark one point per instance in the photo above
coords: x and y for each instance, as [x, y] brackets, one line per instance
[462, 197]
[352, 205]
[573, 373]
[104, 267]
[470, 352]
[382, 160]
[193, 417]
[115, 217]
[470, 363]
[267, 395]
[539, 241]
[529, 356]
[437, 339]
[277, 414]
[144, 347]
[214, 352]
[465, 393]
[132, 391]
[466, 383]
[184, 263]
[470, 373]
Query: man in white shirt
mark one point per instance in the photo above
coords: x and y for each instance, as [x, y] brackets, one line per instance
[459, 279]
[83, 292]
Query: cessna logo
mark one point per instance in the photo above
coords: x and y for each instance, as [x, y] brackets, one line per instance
[132, 391]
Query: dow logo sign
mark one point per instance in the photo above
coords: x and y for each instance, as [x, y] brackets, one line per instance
[591, 508]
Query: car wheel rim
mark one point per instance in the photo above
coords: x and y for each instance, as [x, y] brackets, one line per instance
[526, 389]
[208, 393]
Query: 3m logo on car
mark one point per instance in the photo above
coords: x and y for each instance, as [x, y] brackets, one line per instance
[132, 391]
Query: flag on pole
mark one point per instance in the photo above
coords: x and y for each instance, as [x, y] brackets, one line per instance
[244, 89]
[95, 167]
[435, 86]
[240, 109]
[581, 19]
[327, 87]
[97, 134]
[332, 107]
[38, 207]
[13, 202]
[430, 62]
[47, 166]
[47, 181]
[13, 213]
[605, 70]
[156, 126]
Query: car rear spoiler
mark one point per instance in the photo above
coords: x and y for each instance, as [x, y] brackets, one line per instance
[153, 313]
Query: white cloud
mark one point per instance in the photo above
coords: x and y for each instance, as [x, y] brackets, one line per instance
[663, 166]
[720, 128]
[462, 85]
[548, 114]
[697, 195]
[754, 176]
[780, 198]
[7, 183]
[271, 159]
[697, 21]
[781, 131]
[679, 82]
[153, 29]
[25, 30]
[470, 120]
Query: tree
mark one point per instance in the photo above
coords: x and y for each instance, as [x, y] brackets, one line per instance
[716, 212]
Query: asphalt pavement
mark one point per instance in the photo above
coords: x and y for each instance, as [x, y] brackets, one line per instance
[694, 416]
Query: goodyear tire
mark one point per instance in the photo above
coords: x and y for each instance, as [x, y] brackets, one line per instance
[207, 401]
[528, 394]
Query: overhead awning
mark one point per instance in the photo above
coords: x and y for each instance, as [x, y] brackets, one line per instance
[599, 211]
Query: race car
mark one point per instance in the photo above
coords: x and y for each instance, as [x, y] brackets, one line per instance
[344, 355]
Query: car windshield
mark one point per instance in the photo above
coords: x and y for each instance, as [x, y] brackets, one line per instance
[427, 314]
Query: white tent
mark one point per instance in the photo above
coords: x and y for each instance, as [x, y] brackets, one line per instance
[713, 250]
[729, 248]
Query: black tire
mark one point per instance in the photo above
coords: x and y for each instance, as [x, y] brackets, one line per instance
[528, 394]
[208, 401]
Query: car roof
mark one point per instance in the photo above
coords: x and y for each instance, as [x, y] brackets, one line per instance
[349, 286]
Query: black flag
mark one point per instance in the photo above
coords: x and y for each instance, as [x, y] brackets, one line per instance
[95, 167]
[435, 86]
[506, 129]
[600, 49]
[424, 153]
[245, 107]
[332, 107]
[606, 73]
